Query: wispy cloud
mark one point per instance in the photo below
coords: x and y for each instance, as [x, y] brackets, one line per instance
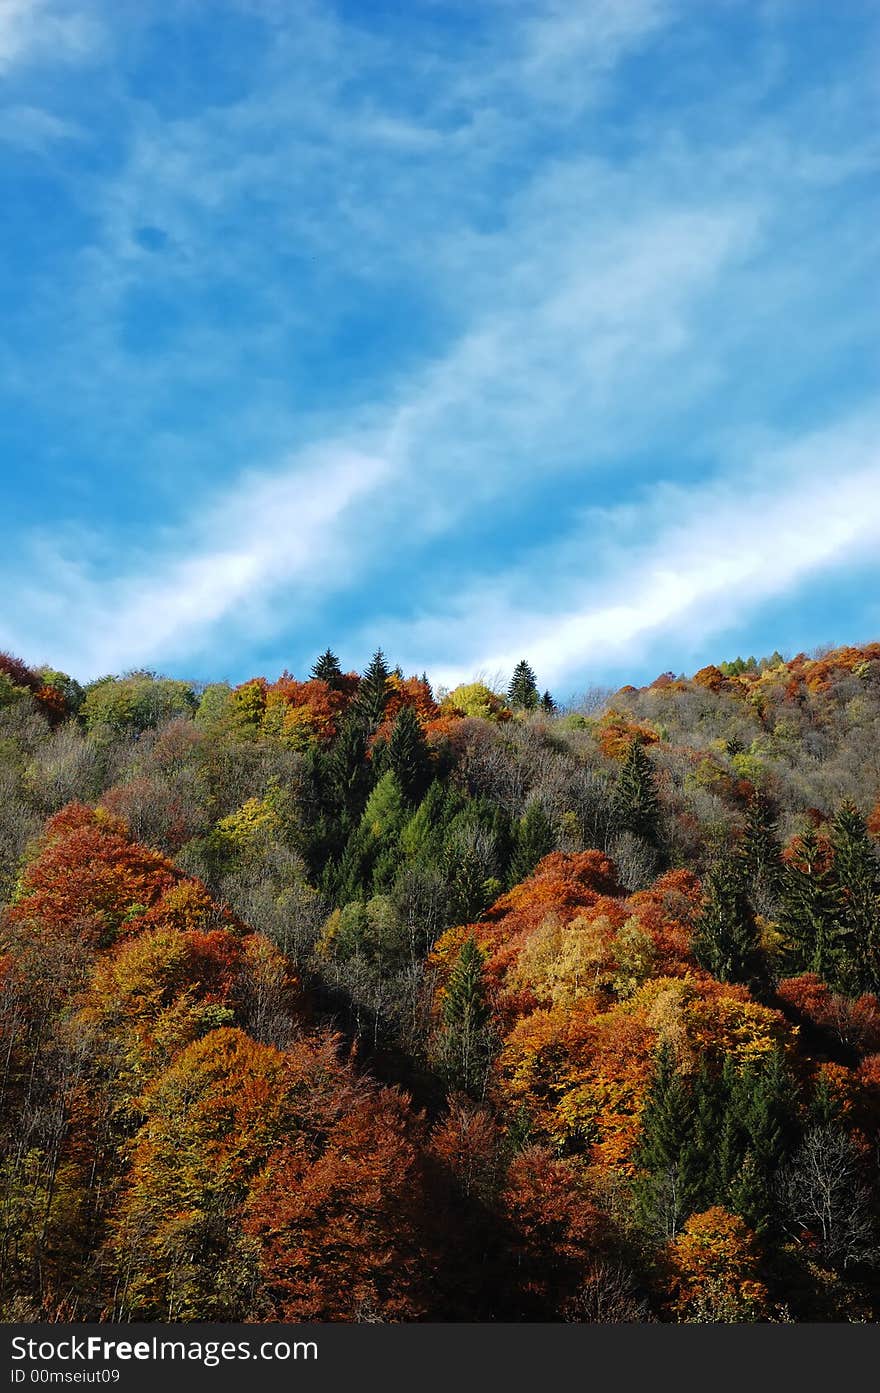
[693, 560]
[40, 30]
[32, 128]
[483, 266]
[267, 533]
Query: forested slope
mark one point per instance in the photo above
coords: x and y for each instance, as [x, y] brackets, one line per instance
[342, 999]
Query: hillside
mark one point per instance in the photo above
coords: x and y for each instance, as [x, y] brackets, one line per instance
[344, 999]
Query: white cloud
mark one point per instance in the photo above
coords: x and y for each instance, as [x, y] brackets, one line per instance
[32, 128]
[684, 564]
[270, 531]
[40, 30]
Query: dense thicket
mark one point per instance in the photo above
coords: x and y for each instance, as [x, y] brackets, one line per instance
[343, 999]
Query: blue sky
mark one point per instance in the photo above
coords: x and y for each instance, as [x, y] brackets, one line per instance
[471, 329]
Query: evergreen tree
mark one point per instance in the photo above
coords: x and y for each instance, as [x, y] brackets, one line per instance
[636, 801]
[522, 694]
[422, 837]
[709, 1111]
[548, 704]
[534, 838]
[373, 690]
[408, 755]
[666, 1151]
[466, 1038]
[726, 942]
[327, 669]
[763, 1105]
[470, 862]
[808, 910]
[759, 854]
[347, 771]
[857, 885]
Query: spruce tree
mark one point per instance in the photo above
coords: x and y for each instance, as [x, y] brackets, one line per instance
[327, 669]
[522, 694]
[533, 839]
[548, 704]
[759, 854]
[666, 1150]
[408, 755]
[727, 941]
[373, 690]
[636, 801]
[347, 771]
[857, 888]
[466, 1037]
[808, 910]
[763, 1103]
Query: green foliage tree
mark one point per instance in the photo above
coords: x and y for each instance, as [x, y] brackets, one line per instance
[667, 1152]
[522, 694]
[467, 1041]
[857, 884]
[534, 838]
[135, 702]
[759, 853]
[727, 939]
[408, 755]
[636, 803]
[809, 911]
[373, 691]
[327, 669]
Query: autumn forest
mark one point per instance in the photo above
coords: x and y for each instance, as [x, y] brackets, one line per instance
[339, 998]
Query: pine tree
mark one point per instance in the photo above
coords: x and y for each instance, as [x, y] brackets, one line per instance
[709, 1109]
[348, 773]
[522, 694]
[857, 884]
[534, 838]
[548, 704]
[327, 669]
[637, 804]
[466, 1038]
[373, 691]
[759, 853]
[408, 755]
[763, 1103]
[808, 910]
[666, 1149]
[727, 941]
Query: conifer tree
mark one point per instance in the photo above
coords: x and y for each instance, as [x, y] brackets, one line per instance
[466, 1038]
[637, 805]
[808, 911]
[857, 885]
[408, 755]
[763, 1104]
[759, 853]
[533, 839]
[373, 691]
[347, 771]
[666, 1150]
[727, 941]
[522, 694]
[548, 704]
[327, 669]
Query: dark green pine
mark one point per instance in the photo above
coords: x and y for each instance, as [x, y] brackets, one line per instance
[857, 884]
[408, 755]
[727, 940]
[327, 669]
[522, 694]
[637, 804]
[373, 690]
